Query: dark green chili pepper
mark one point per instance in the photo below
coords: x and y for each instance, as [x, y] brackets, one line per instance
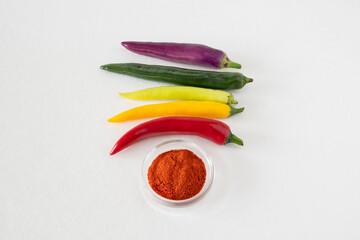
[182, 76]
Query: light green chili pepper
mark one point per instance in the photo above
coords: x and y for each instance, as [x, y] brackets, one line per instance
[181, 93]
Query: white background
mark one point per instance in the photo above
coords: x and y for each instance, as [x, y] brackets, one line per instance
[297, 177]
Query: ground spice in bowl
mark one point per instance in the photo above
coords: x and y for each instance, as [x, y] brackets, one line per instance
[177, 174]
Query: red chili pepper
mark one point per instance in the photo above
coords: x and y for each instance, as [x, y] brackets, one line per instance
[210, 129]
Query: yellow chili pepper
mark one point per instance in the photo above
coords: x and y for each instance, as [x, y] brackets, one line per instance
[181, 93]
[204, 109]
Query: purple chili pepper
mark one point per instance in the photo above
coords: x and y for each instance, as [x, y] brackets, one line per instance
[183, 52]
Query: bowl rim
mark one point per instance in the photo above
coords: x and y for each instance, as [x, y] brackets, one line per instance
[175, 203]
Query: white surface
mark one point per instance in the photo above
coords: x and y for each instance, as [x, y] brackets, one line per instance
[297, 177]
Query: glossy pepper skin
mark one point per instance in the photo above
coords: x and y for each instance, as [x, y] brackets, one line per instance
[182, 76]
[210, 129]
[196, 54]
[179, 108]
[181, 93]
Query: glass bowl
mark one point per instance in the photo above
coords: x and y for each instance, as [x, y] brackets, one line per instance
[171, 145]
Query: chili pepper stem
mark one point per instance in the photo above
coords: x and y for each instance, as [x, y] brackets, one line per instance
[234, 139]
[231, 100]
[227, 63]
[232, 64]
[235, 110]
[249, 80]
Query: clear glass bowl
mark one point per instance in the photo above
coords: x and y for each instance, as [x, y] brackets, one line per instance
[171, 145]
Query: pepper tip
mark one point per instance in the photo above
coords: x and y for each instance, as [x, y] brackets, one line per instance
[115, 150]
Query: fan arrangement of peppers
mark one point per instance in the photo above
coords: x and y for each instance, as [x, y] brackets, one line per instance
[202, 96]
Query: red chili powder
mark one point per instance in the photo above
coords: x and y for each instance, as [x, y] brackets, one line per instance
[177, 174]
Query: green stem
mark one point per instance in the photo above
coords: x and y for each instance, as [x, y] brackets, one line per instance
[231, 100]
[234, 139]
[227, 63]
[232, 64]
[248, 80]
[235, 110]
